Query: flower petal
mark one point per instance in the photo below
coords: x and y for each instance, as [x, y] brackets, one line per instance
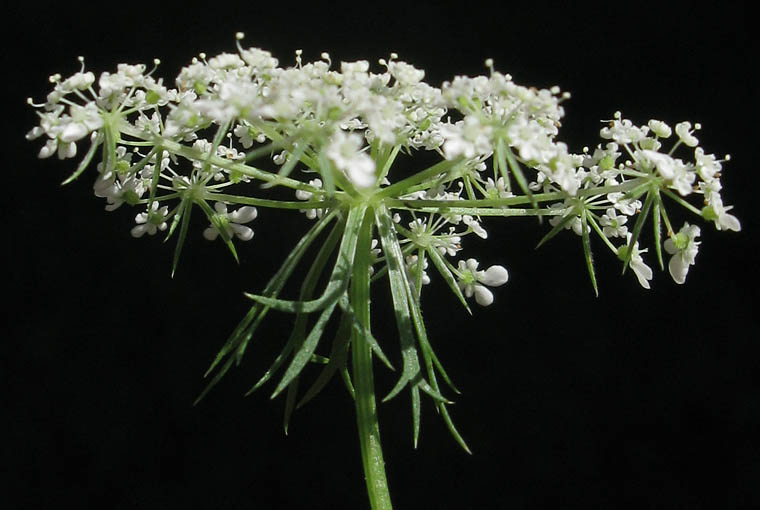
[495, 276]
[483, 296]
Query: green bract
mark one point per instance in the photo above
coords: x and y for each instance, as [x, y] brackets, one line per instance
[238, 125]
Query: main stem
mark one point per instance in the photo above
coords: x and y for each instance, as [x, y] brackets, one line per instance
[364, 387]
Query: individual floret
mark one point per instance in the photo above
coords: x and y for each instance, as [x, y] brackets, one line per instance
[474, 282]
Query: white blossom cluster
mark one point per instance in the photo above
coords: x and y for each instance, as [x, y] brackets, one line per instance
[333, 133]
[238, 133]
[651, 160]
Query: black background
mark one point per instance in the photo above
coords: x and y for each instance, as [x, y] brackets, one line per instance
[635, 399]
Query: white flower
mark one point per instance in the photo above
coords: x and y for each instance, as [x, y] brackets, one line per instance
[602, 161]
[411, 269]
[404, 73]
[345, 151]
[226, 61]
[385, 117]
[113, 86]
[64, 150]
[531, 139]
[613, 225]
[660, 128]
[707, 166]
[561, 169]
[684, 132]
[120, 189]
[624, 203]
[149, 125]
[683, 247]
[64, 130]
[83, 121]
[575, 224]
[196, 77]
[307, 195]
[245, 135]
[475, 226]
[448, 244]
[232, 222]
[467, 137]
[718, 213]
[79, 81]
[623, 131]
[235, 99]
[150, 221]
[674, 171]
[473, 282]
[497, 189]
[642, 271]
[230, 153]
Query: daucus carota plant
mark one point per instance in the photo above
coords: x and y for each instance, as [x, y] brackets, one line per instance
[236, 126]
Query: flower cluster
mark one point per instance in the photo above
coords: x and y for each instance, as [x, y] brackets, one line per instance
[347, 125]
[235, 125]
[652, 171]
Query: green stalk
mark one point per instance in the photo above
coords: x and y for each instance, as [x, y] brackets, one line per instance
[364, 387]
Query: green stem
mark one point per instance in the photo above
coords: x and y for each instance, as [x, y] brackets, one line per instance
[216, 160]
[366, 408]
[279, 204]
